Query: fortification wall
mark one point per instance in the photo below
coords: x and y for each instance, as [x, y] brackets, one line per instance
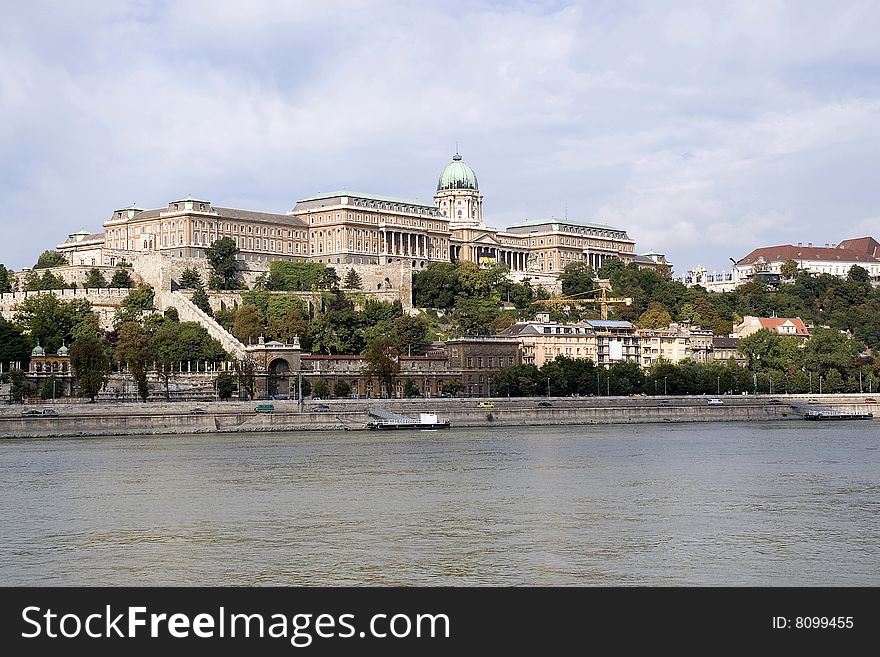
[104, 301]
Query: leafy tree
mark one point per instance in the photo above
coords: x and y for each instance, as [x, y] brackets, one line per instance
[226, 318]
[121, 279]
[48, 281]
[610, 267]
[225, 384]
[475, 317]
[655, 317]
[19, 388]
[410, 334]
[222, 258]
[49, 259]
[321, 390]
[342, 389]
[517, 381]
[452, 389]
[789, 268]
[6, 279]
[132, 348]
[245, 374]
[14, 345]
[295, 276]
[95, 279]
[247, 326]
[90, 364]
[50, 322]
[410, 389]
[51, 389]
[834, 382]
[174, 343]
[190, 279]
[858, 275]
[201, 301]
[353, 280]
[383, 363]
[171, 314]
[329, 279]
[577, 278]
[436, 286]
[829, 349]
[135, 303]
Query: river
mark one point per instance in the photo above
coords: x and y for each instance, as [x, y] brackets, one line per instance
[765, 504]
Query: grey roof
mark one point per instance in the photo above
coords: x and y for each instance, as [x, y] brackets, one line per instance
[565, 222]
[609, 323]
[250, 215]
[371, 197]
[722, 342]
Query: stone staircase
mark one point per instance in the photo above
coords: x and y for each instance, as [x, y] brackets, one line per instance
[189, 312]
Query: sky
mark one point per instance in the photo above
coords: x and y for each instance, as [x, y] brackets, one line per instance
[703, 129]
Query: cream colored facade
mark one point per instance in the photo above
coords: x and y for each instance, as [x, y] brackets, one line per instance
[675, 343]
[543, 341]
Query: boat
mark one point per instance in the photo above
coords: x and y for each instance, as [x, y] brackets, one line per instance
[837, 415]
[387, 421]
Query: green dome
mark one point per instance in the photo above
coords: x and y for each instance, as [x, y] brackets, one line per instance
[63, 351]
[38, 351]
[457, 175]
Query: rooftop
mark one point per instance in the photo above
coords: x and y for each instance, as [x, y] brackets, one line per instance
[371, 197]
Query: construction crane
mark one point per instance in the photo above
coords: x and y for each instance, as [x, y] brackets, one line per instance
[574, 299]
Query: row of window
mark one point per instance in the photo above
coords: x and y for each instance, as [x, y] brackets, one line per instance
[489, 360]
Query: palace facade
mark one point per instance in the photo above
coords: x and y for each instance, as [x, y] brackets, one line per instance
[350, 228]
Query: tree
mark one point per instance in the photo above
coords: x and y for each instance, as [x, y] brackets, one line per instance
[91, 367]
[190, 279]
[225, 384]
[247, 325]
[49, 259]
[475, 316]
[201, 301]
[51, 389]
[6, 279]
[321, 390]
[341, 389]
[174, 343]
[50, 322]
[409, 334]
[121, 279]
[14, 345]
[222, 258]
[655, 317]
[410, 389]
[135, 303]
[436, 286]
[95, 279]
[382, 362]
[329, 279]
[245, 373]
[577, 278]
[132, 348]
[858, 275]
[48, 281]
[19, 388]
[353, 280]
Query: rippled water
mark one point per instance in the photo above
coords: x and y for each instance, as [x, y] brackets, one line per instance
[690, 504]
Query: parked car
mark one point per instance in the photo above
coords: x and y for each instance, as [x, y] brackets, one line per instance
[870, 400]
[265, 408]
[663, 402]
[812, 401]
[197, 411]
[50, 411]
[544, 404]
[281, 395]
[775, 402]
[715, 402]
[31, 412]
[485, 405]
[321, 408]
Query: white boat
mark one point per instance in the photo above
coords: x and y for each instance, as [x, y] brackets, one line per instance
[389, 421]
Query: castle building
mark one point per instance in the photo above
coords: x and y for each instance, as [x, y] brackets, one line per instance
[351, 228]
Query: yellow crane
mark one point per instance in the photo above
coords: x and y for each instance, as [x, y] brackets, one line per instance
[574, 299]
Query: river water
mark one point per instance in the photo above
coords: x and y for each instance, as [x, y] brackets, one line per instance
[789, 503]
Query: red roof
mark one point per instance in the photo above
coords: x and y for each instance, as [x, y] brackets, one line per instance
[867, 245]
[785, 252]
[773, 324]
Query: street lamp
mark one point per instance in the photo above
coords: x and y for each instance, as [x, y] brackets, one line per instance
[664, 385]
[655, 387]
[771, 383]
[548, 386]
[719, 385]
[820, 384]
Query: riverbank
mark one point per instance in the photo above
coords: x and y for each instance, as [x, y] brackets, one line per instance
[114, 419]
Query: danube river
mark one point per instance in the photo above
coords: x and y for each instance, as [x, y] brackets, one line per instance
[789, 503]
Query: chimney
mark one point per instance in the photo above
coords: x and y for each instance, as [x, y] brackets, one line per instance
[800, 244]
[809, 244]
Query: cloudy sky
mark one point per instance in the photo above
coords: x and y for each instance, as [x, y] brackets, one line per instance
[705, 129]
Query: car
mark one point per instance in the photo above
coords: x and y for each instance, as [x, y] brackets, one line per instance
[321, 408]
[775, 402]
[544, 404]
[197, 411]
[870, 400]
[281, 395]
[715, 402]
[812, 401]
[485, 405]
[663, 402]
[265, 408]
[31, 412]
[50, 411]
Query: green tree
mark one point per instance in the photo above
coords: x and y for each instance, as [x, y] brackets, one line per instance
[221, 256]
[342, 389]
[175, 343]
[858, 275]
[410, 389]
[201, 301]
[6, 279]
[135, 303]
[50, 322]
[51, 388]
[90, 365]
[789, 268]
[436, 286]
[190, 279]
[353, 280]
[655, 317]
[295, 276]
[20, 388]
[95, 279]
[14, 345]
[247, 325]
[225, 384]
[382, 362]
[474, 317]
[132, 348]
[321, 390]
[829, 349]
[410, 334]
[577, 278]
[48, 281]
[121, 279]
[833, 382]
[49, 259]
